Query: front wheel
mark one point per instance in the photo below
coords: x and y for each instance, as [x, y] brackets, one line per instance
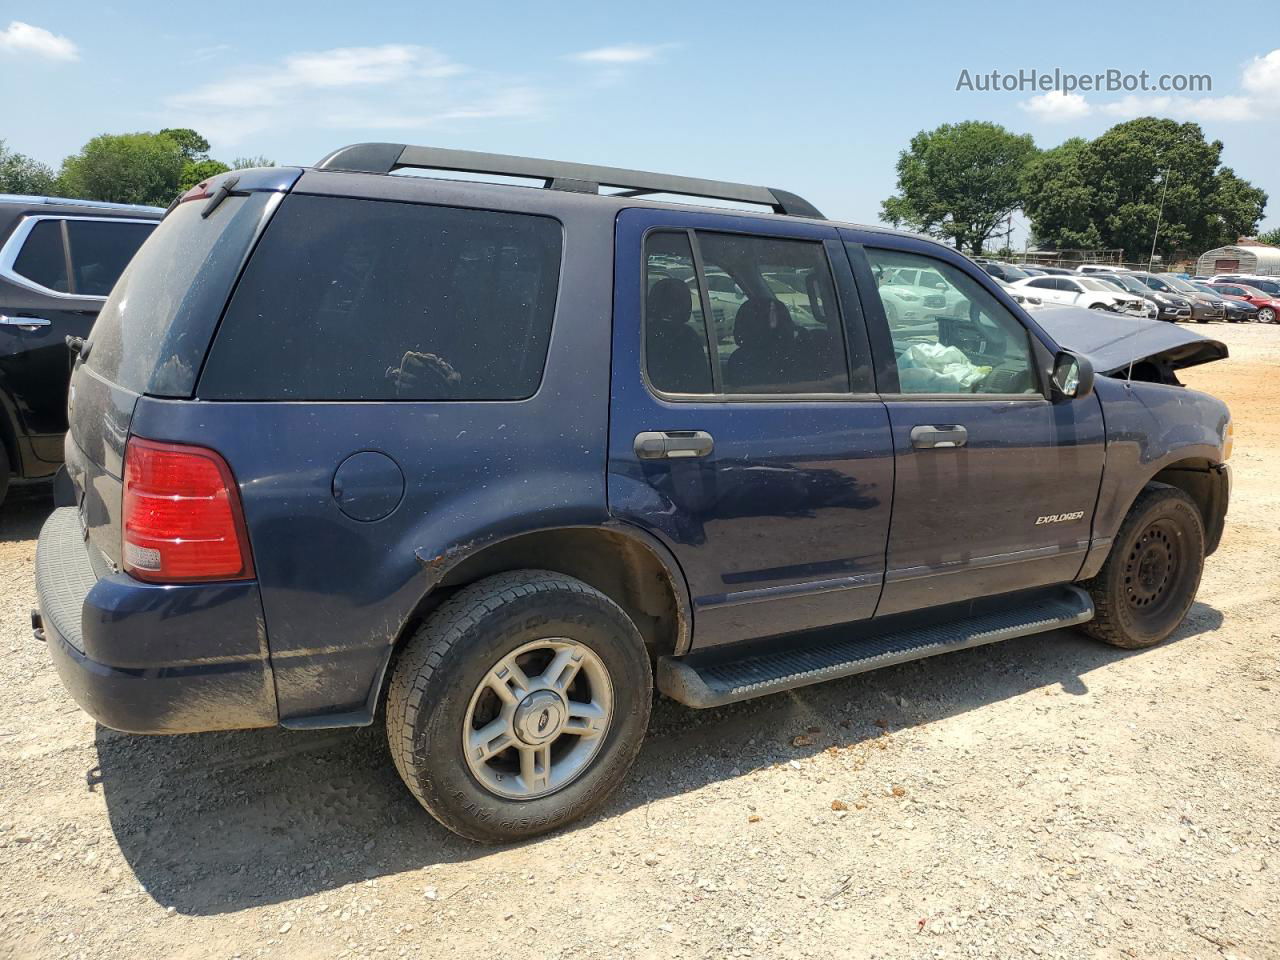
[1150, 578]
[1266, 315]
[519, 705]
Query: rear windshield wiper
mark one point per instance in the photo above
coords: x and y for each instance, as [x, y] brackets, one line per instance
[223, 191]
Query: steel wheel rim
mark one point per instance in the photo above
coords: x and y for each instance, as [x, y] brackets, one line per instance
[1267, 315]
[537, 718]
[1152, 568]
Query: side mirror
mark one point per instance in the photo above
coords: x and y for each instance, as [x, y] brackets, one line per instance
[1072, 375]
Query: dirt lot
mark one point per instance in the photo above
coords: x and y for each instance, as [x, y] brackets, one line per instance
[1046, 797]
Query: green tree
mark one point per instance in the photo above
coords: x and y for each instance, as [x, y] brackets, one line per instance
[20, 174]
[125, 168]
[196, 164]
[1271, 236]
[244, 163]
[1111, 191]
[959, 182]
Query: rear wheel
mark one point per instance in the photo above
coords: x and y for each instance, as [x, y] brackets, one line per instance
[1149, 581]
[519, 705]
[1266, 315]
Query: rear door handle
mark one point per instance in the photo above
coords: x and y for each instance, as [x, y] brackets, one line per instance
[24, 323]
[929, 437]
[673, 444]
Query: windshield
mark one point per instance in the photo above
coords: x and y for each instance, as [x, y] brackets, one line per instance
[1092, 283]
[1179, 284]
[1013, 273]
[1130, 284]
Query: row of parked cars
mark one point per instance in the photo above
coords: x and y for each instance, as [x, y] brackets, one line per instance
[1234, 298]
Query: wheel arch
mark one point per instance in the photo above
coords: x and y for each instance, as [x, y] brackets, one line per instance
[621, 561]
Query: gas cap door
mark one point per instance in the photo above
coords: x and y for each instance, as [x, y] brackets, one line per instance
[368, 486]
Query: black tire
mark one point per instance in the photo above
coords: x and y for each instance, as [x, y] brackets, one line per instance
[1266, 315]
[443, 665]
[1150, 578]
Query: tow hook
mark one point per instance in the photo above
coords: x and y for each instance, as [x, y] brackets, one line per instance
[37, 625]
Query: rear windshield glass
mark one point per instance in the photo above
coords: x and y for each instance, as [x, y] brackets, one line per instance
[153, 331]
[376, 300]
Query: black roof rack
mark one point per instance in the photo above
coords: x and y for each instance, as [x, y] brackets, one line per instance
[558, 175]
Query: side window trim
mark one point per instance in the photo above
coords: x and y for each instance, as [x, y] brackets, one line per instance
[877, 322]
[708, 318]
[17, 239]
[704, 298]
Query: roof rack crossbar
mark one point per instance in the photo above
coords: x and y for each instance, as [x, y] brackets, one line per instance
[558, 175]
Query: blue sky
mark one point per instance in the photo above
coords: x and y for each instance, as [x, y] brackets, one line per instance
[816, 98]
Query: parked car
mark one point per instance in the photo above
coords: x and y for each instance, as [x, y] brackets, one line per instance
[58, 261]
[1203, 307]
[1237, 309]
[1024, 298]
[1004, 271]
[1268, 305]
[1096, 268]
[1269, 285]
[1056, 271]
[1084, 292]
[1167, 306]
[464, 458]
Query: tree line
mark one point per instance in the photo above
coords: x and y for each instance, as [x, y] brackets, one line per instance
[960, 182]
[147, 168]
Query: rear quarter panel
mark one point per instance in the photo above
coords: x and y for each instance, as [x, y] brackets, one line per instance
[337, 592]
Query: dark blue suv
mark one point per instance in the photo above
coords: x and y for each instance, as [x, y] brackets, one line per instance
[489, 463]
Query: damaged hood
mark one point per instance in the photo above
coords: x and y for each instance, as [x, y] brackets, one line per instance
[1112, 342]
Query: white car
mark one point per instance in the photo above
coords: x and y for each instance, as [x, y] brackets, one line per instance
[1083, 292]
[1028, 300]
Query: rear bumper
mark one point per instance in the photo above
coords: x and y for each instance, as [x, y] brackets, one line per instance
[151, 659]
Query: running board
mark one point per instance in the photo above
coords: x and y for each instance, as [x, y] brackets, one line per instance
[708, 679]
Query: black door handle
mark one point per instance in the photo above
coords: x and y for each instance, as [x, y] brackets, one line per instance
[673, 444]
[928, 437]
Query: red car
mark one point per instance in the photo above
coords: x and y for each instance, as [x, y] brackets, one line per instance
[1268, 306]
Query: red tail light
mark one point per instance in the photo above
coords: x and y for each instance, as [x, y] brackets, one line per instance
[182, 518]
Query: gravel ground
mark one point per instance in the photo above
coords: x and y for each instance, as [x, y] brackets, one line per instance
[1047, 797]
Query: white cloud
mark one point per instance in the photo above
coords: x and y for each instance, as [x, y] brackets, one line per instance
[21, 37]
[619, 55]
[1261, 76]
[398, 86]
[1259, 97]
[1056, 106]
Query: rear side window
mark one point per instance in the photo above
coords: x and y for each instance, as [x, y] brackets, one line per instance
[376, 300]
[775, 327]
[100, 250]
[42, 258]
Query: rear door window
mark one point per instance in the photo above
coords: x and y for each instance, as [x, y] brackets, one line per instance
[349, 299]
[43, 258]
[775, 324]
[100, 250]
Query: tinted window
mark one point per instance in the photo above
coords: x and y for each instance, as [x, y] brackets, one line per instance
[1044, 284]
[960, 340]
[675, 332]
[780, 331]
[153, 331]
[100, 250]
[373, 300]
[42, 259]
